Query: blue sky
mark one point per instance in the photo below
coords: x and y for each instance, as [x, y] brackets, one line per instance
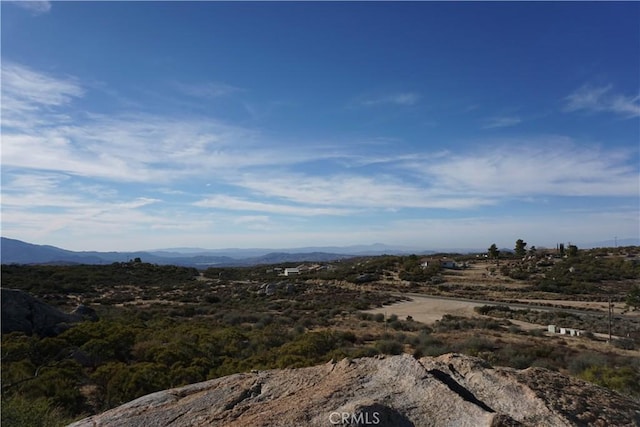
[139, 125]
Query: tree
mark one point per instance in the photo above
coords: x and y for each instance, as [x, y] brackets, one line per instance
[633, 297]
[520, 248]
[494, 252]
[572, 250]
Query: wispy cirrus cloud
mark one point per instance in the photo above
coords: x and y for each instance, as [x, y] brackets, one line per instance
[33, 6]
[28, 189]
[553, 166]
[208, 90]
[501, 122]
[226, 202]
[146, 148]
[69, 170]
[30, 98]
[44, 131]
[602, 99]
[383, 192]
[400, 99]
[43, 203]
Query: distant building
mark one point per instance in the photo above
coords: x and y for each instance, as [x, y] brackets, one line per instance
[449, 264]
[565, 331]
[291, 271]
[442, 263]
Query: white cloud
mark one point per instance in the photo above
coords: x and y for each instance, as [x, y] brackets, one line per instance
[42, 131]
[33, 181]
[31, 100]
[134, 230]
[24, 191]
[40, 213]
[500, 122]
[146, 148]
[254, 222]
[29, 90]
[601, 99]
[64, 170]
[552, 166]
[207, 90]
[225, 202]
[402, 98]
[35, 7]
[356, 192]
[138, 148]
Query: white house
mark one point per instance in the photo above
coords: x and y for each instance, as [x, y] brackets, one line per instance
[444, 263]
[291, 271]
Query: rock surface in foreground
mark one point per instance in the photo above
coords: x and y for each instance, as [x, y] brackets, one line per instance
[399, 391]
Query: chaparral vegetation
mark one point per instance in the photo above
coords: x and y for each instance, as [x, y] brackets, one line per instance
[164, 326]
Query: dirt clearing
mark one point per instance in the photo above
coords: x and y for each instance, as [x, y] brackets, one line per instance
[428, 309]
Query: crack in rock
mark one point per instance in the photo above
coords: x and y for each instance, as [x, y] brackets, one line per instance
[460, 390]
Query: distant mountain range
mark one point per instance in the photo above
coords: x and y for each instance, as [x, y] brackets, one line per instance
[18, 252]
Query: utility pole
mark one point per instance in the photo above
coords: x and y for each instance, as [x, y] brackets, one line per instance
[610, 315]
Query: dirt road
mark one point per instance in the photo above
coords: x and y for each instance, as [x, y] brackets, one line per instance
[428, 309]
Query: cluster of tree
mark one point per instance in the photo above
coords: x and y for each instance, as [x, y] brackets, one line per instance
[633, 297]
[584, 273]
[199, 331]
[412, 270]
[573, 270]
[50, 279]
[523, 350]
[521, 250]
[204, 330]
[594, 323]
[121, 359]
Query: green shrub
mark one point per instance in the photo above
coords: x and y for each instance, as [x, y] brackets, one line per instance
[18, 411]
[389, 347]
[435, 350]
[624, 379]
[474, 345]
[585, 360]
[624, 343]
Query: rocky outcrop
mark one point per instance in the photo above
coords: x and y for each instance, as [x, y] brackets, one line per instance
[23, 313]
[85, 313]
[450, 390]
